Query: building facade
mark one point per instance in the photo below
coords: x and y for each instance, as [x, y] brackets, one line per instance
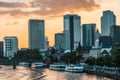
[115, 31]
[72, 31]
[107, 20]
[10, 46]
[60, 41]
[36, 29]
[1, 48]
[105, 41]
[89, 35]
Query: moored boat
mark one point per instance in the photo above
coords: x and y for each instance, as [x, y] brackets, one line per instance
[58, 67]
[37, 64]
[74, 68]
[24, 64]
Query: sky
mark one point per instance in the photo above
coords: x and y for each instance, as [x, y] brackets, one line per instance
[14, 15]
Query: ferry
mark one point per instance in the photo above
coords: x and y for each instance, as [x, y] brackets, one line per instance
[24, 64]
[57, 67]
[38, 64]
[74, 68]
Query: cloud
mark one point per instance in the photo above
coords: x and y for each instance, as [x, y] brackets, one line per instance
[47, 7]
[12, 23]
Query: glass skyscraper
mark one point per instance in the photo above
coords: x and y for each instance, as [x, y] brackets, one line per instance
[107, 20]
[115, 31]
[72, 31]
[89, 35]
[36, 34]
[60, 41]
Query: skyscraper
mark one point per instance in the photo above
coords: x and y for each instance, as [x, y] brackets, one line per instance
[72, 31]
[10, 46]
[107, 20]
[115, 31]
[89, 35]
[60, 41]
[36, 34]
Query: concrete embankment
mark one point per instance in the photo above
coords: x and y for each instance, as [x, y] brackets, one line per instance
[104, 71]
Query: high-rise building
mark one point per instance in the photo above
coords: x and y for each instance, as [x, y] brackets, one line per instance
[115, 31]
[89, 35]
[107, 20]
[10, 46]
[72, 31]
[36, 34]
[1, 48]
[105, 41]
[60, 41]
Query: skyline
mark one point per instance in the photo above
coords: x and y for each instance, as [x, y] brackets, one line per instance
[14, 19]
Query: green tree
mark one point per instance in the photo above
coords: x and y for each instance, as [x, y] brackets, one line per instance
[90, 61]
[71, 58]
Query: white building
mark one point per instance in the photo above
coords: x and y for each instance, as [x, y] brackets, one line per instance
[95, 52]
[10, 46]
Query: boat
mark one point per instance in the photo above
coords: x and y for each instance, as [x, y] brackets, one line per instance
[74, 68]
[37, 64]
[24, 64]
[57, 67]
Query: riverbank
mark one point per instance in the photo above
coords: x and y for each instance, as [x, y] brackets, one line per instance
[113, 76]
[109, 72]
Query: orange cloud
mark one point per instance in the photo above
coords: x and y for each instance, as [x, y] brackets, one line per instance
[47, 7]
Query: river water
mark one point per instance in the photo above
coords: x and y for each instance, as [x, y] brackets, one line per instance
[22, 73]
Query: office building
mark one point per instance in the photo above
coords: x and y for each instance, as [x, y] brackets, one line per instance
[72, 31]
[10, 46]
[105, 41]
[115, 31]
[60, 41]
[89, 35]
[36, 29]
[107, 20]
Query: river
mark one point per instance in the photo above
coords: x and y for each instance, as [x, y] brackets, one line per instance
[22, 73]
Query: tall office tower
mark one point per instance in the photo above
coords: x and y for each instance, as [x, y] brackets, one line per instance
[107, 20]
[60, 41]
[1, 48]
[72, 31]
[89, 35]
[115, 31]
[36, 34]
[10, 46]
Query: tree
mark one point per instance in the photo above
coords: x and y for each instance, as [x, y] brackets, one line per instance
[71, 58]
[116, 57]
[28, 55]
[90, 61]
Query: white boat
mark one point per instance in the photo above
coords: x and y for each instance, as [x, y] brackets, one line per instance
[37, 64]
[74, 68]
[58, 67]
[24, 64]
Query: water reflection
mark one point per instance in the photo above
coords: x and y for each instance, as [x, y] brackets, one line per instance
[57, 75]
[21, 73]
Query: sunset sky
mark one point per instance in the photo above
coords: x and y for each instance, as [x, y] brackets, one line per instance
[14, 15]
